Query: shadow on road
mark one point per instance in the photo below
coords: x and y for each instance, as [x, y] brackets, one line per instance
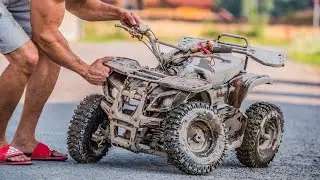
[303, 83]
[299, 92]
[301, 95]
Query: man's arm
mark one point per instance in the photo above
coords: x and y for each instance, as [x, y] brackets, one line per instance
[46, 17]
[97, 10]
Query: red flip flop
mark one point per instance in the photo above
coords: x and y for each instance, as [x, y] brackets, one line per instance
[43, 153]
[9, 152]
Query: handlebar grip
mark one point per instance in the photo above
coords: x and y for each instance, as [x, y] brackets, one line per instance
[221, 50]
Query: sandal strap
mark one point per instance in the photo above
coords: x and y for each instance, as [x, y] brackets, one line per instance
[44, 151]
[13, 152]
[8, 152]
[41, 151]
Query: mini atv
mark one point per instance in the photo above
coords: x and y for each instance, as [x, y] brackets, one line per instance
[186, 109]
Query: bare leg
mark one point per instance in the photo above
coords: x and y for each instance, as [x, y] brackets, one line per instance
[12, 83]
[39, 88]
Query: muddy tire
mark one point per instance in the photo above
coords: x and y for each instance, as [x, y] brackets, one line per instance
[195, 138]
[262, 136]
[88, 120]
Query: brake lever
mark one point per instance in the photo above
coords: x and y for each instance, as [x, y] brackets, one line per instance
[132, 31]
[122, 26]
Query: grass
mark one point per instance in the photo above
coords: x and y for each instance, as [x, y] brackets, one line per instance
[306, 51]
[103, 33]
[312, 59]
[104, 38]
[251, 36]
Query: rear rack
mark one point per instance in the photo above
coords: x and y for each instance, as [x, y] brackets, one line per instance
[235, 47]
[265, 57]
[233, 36]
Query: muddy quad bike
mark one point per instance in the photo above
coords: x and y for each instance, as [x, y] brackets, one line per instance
[186, 109]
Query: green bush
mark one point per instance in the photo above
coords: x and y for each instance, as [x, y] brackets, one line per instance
[258, 23]
[306, 51]
[91, 34]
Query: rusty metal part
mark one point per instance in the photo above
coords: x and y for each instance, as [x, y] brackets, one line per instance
[243, 84]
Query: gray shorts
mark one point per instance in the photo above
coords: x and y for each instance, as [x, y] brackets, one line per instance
[15, 27]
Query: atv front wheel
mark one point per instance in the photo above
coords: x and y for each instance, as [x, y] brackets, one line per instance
[88, 131]
[195, 138]
[262, 136]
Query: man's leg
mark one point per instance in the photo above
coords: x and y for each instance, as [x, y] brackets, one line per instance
[13, 80]
[41, 82]
[39, 88]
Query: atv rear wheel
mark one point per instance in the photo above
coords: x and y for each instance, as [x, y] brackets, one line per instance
[88, 131]
[262, 136]
[195, 138]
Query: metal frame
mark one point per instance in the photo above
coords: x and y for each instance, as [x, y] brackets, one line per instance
[236, 47]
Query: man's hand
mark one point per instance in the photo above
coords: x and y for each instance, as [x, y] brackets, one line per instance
[98, 73]
[128, 18]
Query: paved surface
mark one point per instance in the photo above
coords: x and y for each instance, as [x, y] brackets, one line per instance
[296, 91]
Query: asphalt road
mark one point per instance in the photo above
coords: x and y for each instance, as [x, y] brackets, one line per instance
[296, 91]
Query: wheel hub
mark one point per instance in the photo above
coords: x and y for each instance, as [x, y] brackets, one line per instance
[199, 137]
[268, 137]
[99, 136]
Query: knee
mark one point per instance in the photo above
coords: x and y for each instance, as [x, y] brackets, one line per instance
[29, 61]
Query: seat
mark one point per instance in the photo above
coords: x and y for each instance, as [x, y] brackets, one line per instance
[225, 68]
